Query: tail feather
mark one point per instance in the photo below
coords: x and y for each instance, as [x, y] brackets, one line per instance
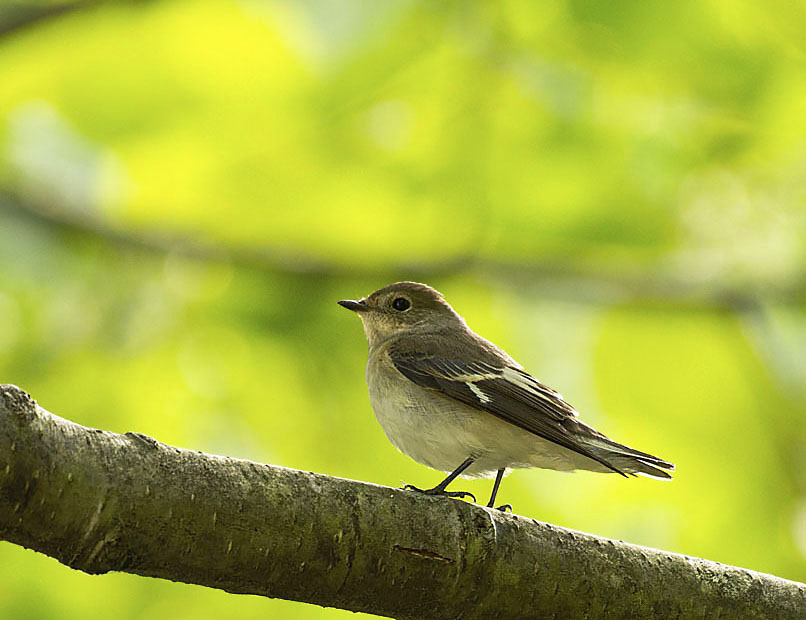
[648, 469]
[632, 461]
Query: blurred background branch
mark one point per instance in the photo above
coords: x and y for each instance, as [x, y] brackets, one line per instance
[591, 283]
[17, 16]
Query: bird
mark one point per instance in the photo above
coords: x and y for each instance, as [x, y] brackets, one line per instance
[457, 403]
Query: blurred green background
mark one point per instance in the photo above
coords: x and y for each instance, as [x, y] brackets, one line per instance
[613, 192]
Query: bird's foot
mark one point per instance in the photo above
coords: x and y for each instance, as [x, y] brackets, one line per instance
[503, 508]
[438, 491]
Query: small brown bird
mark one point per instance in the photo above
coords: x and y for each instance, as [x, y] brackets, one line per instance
[455, 402]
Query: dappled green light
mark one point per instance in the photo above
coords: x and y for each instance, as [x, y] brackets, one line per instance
[613, 192]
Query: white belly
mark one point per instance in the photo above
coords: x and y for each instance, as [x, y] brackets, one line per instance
[443, 433]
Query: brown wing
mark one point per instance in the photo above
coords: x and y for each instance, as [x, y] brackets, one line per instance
[506, 392]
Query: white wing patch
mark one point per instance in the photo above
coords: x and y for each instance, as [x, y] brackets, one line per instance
[478, 392]
[455, 374]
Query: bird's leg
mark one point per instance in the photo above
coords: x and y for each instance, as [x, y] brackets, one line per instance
[497, 484]
[440, 488]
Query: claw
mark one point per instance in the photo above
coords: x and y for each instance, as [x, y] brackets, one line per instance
[504, 508]
[438, 491]
[461, 494]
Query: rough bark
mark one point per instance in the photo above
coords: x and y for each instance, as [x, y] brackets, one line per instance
[98, 501]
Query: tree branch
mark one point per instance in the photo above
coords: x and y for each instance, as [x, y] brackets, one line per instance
[98, 501]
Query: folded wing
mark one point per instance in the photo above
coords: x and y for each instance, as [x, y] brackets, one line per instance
[508, 393]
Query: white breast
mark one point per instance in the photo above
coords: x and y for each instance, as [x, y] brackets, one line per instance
[440, 432]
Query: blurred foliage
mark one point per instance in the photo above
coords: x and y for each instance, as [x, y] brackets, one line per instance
[614, 192]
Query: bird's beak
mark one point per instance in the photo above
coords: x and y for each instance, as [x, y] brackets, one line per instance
[355, 306]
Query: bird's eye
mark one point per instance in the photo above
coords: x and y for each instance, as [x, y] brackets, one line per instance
[401, 304]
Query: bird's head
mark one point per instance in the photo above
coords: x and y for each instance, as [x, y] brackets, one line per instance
[402, 306]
